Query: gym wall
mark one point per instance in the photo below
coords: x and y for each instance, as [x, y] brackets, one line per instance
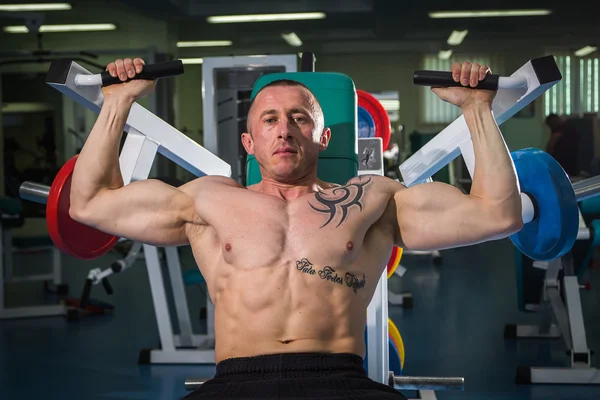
[137, 33]
[376, 72]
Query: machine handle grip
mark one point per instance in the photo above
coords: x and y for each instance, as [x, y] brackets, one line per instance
[444, 79]
[150, 72]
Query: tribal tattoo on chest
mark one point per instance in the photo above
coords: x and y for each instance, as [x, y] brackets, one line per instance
[354, 282]
[341, 199]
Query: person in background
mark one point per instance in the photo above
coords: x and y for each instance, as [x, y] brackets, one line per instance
[563, 144]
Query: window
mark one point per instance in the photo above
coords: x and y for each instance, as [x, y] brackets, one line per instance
[435, 111]
[578, 92]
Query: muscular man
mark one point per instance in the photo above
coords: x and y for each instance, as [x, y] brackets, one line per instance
[291, 263]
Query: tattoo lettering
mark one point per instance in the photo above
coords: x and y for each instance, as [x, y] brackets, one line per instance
[305, 266]
[327, 273]
[343, 202]
[353, 282]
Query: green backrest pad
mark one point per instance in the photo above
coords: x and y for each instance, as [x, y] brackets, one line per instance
[337, 95]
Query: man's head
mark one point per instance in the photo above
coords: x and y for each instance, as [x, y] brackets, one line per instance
[286, 131]
[554, 122]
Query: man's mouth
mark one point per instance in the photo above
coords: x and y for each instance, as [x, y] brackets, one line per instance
[287, 150]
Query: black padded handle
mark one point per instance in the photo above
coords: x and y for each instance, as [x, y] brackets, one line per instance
[107, 286]
[444, 79]
[150, 72]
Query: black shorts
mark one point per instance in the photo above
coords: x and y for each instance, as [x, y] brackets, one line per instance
[294, 376]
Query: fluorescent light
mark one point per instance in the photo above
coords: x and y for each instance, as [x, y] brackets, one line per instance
[205, 43]
[35, 7]
[444, 54]
[62, 28]
[390, 105]
[584, 51]
[488, 13]
[456, 37]
[292, 39]
[225, 19]
[192, 60]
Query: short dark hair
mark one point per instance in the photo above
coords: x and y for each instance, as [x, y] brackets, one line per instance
[288, 83]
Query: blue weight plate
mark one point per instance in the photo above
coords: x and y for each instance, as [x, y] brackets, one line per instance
[554, 230]
[366, 124]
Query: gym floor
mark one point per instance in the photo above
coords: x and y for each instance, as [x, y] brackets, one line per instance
[455, 328]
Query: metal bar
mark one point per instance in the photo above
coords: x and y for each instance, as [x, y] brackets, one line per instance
[194, 383]
[35, 192]
[587, 188]
[404, 383]
[428, 383]
[575, 316]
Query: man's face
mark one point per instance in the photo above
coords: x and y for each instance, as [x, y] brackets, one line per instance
[286, 134]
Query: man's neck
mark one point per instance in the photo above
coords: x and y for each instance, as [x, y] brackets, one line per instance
[290, 191]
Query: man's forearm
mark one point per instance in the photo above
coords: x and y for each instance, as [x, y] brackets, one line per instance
[494, 177]
[97, 166]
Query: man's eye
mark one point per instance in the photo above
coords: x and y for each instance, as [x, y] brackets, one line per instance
[300, 119]
[270, 120]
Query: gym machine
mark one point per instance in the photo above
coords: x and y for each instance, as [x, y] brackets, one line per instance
[136, 160]
[556, 296]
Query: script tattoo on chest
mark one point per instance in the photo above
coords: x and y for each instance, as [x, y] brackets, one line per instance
[350, 280]
[341, 200]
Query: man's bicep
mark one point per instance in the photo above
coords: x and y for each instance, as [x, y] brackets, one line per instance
[435, 216]
[149, 211]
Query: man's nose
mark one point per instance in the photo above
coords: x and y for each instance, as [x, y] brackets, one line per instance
[286, 128]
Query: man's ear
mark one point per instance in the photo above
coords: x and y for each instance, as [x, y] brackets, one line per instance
[324, 139]
[248, 142]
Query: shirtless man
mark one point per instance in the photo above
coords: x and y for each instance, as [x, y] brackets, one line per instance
[291, 263]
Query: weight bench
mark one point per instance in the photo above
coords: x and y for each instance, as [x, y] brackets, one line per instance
[552, 288]
[9, 246]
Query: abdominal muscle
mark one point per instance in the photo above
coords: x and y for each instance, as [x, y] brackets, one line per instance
[281, 309]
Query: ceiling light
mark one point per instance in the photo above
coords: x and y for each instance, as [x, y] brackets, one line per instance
[456, 37]
[292, 39]
[225, 19]
[35, 7]
[488, 13]
[205, 43]
[444, 54]
[192, 60]
[584, 51]
[63, 28]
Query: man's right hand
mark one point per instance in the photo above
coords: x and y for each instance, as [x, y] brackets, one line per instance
[124, 70]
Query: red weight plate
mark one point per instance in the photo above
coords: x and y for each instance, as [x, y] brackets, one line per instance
[68, 235]
[383, 127]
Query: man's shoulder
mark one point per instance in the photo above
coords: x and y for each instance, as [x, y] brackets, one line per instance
[214, 182]
[380, 181]
[368, 182]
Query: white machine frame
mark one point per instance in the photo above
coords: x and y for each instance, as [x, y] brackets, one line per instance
[377, 312]
[136, 160]
[564, 319]
[455, 139]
